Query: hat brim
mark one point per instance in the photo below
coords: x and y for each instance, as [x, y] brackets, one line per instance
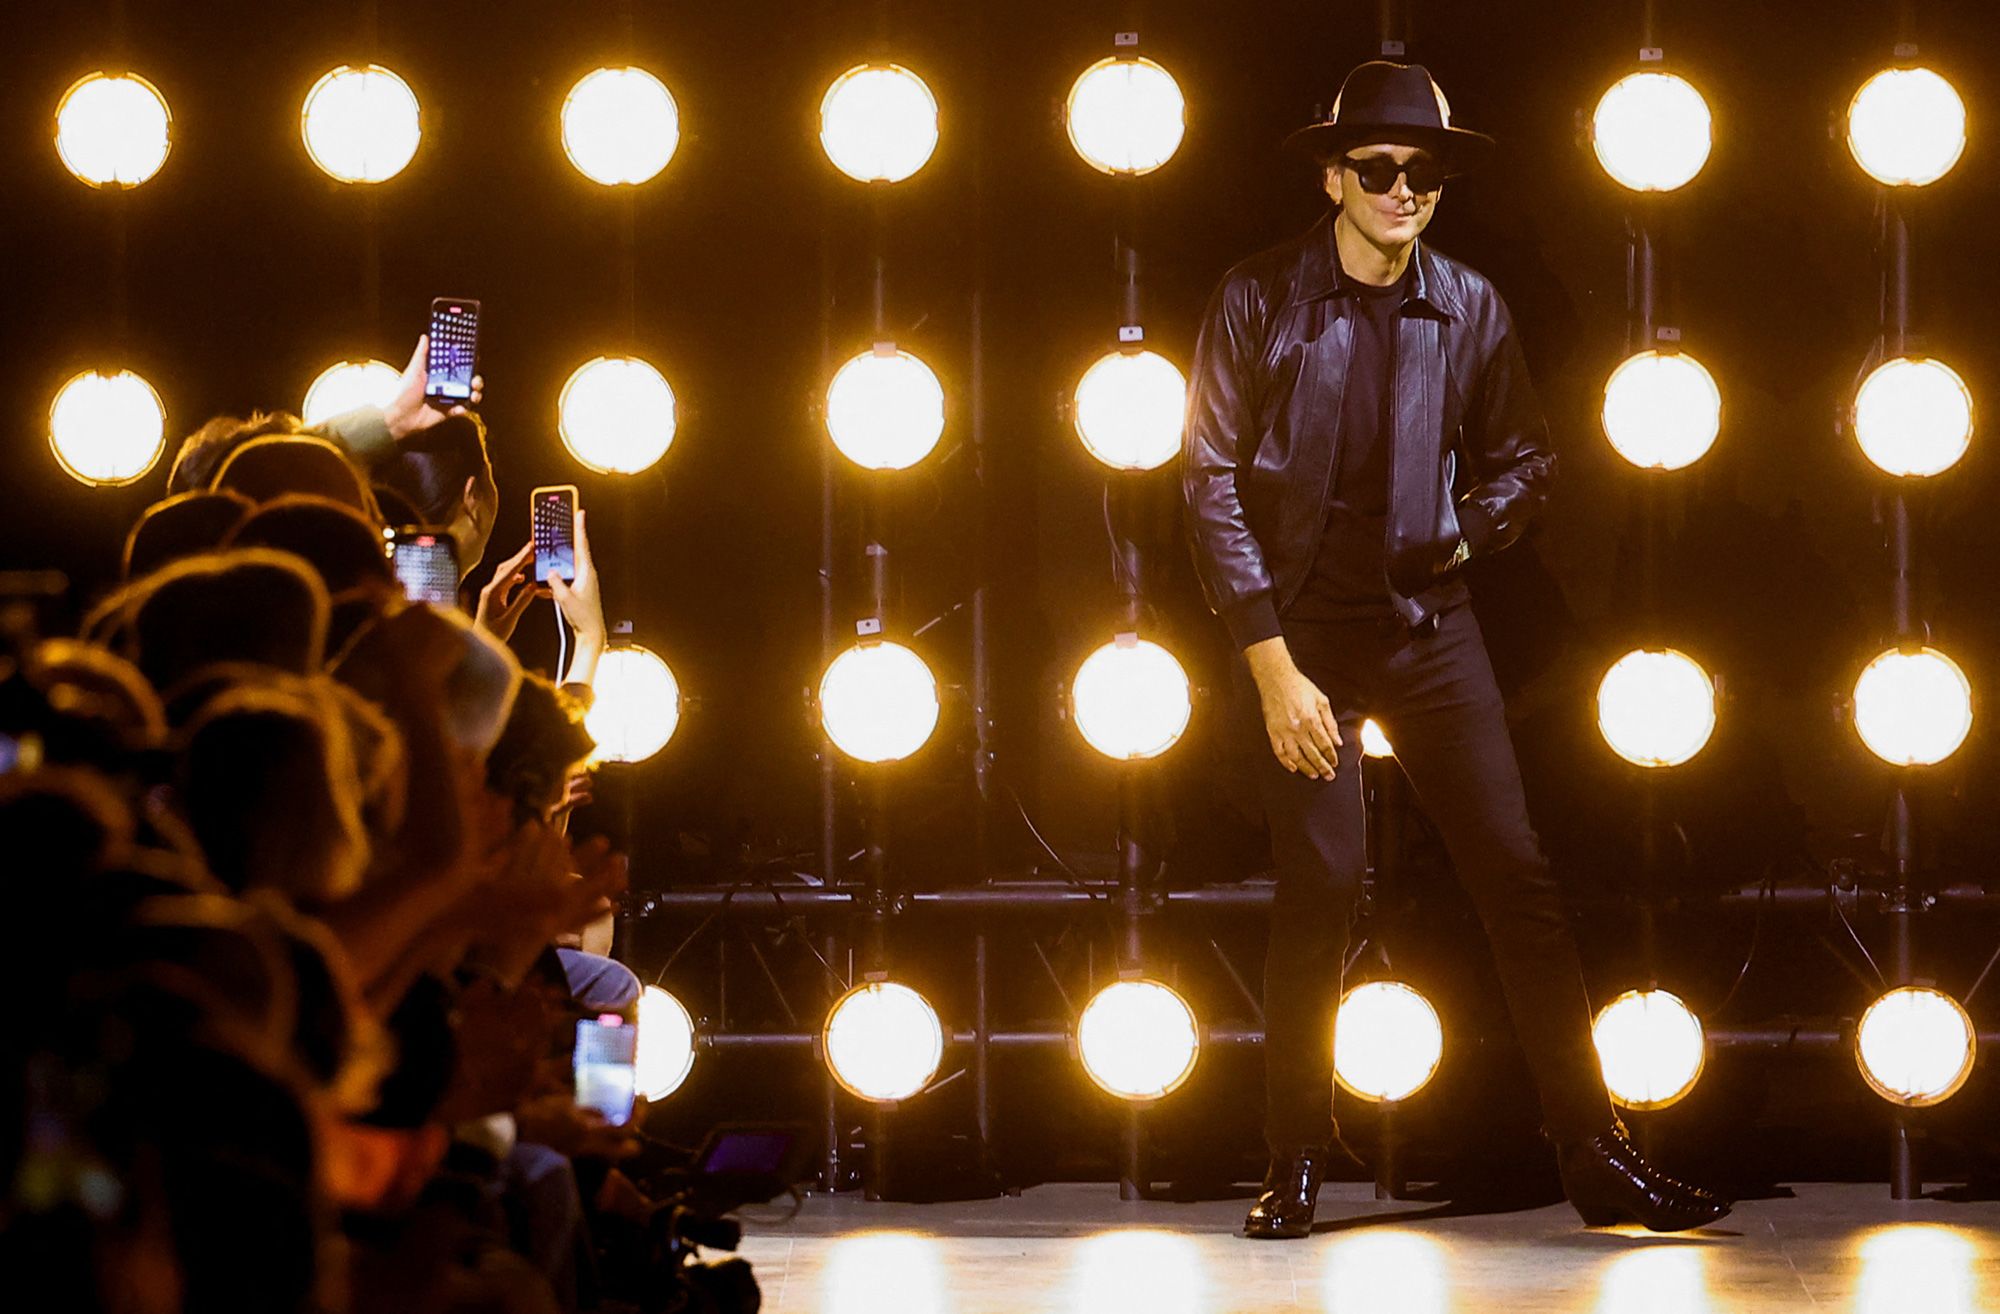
[1461, 149]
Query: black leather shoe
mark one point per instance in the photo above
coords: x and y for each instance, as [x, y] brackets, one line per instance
[1609, 1183]
[1291, 1189]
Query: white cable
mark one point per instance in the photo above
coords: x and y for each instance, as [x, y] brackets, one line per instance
[562, 647]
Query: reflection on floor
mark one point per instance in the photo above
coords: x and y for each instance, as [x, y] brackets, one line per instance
[1074, 1249]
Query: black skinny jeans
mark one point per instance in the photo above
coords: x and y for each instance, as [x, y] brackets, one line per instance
[1434, 693]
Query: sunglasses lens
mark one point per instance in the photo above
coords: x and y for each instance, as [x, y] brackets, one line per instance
[1378, 174]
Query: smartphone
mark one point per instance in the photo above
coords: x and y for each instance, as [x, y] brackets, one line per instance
[552, 512]
[607, 1055]
[426, 565]
[454, 351]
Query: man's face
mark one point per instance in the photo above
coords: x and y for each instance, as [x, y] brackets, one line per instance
[1395, 217]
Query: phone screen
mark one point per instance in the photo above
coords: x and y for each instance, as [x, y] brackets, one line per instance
[607, 1051]
[553, 516]
[426, 565]
[454, 350]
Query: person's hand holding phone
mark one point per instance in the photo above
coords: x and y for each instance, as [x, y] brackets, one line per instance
[407, 412]
[582, 604]
[507, 595]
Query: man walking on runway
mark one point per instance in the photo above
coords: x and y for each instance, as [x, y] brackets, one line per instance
[1360, 424]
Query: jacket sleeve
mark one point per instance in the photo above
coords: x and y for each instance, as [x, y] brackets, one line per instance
[1221, 419]
[1507, 443]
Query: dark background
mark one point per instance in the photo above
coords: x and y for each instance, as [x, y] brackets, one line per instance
[246, 273]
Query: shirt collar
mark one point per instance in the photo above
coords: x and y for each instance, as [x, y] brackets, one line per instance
[1320, 274]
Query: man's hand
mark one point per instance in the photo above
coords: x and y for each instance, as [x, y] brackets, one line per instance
[408, 412]
[507, 595]
[1304, 734]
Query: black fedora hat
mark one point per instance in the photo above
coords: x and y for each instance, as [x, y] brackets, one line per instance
[1398, 103]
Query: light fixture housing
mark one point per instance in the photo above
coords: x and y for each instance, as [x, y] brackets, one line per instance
[1662, 411]
[1913, 417]
[1913, 707]
[617, 415]
[878, 123]
[620, 126]
[1130, 407]
[635, 706]
[885, 409]
[1906, 127]
[113, 129]
[1656, 707]
[666, 1043]
[878, 702]
[1915, 1046]
[1138, 1040]
[1131, 699]
[882, 1042]
[1652, 131]
[1387, 1042]
[1651, 1047]
[1125, 115]
[361, 124]
[107, 429]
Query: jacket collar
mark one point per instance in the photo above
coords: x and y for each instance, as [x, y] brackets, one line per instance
[1320, 274]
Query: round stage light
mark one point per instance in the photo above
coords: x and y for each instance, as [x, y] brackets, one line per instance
[885, 409]
[113, 130]
[878, 123]
[1913, 417]
[107, 429]
[1656, 707]
[617, 415]
[635, 705]
[350, 384]
[1651, 1048]
[1129, 409]
[1126, 116]
[666, 1044]
[1906, 127]
[878, 702]
[1138, 1039]
[1375, 740]
[361, 125]
[1915, 1046]
[1661, 412]
[1913, 708]
[1651, 132]
[883, 1041]
[1131, 699]
[620, 126]
[1387, 1041]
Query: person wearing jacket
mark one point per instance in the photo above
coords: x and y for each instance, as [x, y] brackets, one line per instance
[1360, 424]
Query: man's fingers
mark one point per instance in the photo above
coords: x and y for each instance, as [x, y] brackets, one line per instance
[415, 369]
[1318, 765]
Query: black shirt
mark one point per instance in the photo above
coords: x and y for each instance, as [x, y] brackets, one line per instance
[1347, 580]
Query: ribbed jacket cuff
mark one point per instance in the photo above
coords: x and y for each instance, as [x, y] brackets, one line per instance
[1252, 619]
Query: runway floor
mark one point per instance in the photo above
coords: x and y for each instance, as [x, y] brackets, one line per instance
[1077, 1248]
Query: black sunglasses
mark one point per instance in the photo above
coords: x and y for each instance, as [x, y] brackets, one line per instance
[1378, 172]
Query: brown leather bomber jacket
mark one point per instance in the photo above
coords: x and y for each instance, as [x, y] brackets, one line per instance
[1470, 456]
